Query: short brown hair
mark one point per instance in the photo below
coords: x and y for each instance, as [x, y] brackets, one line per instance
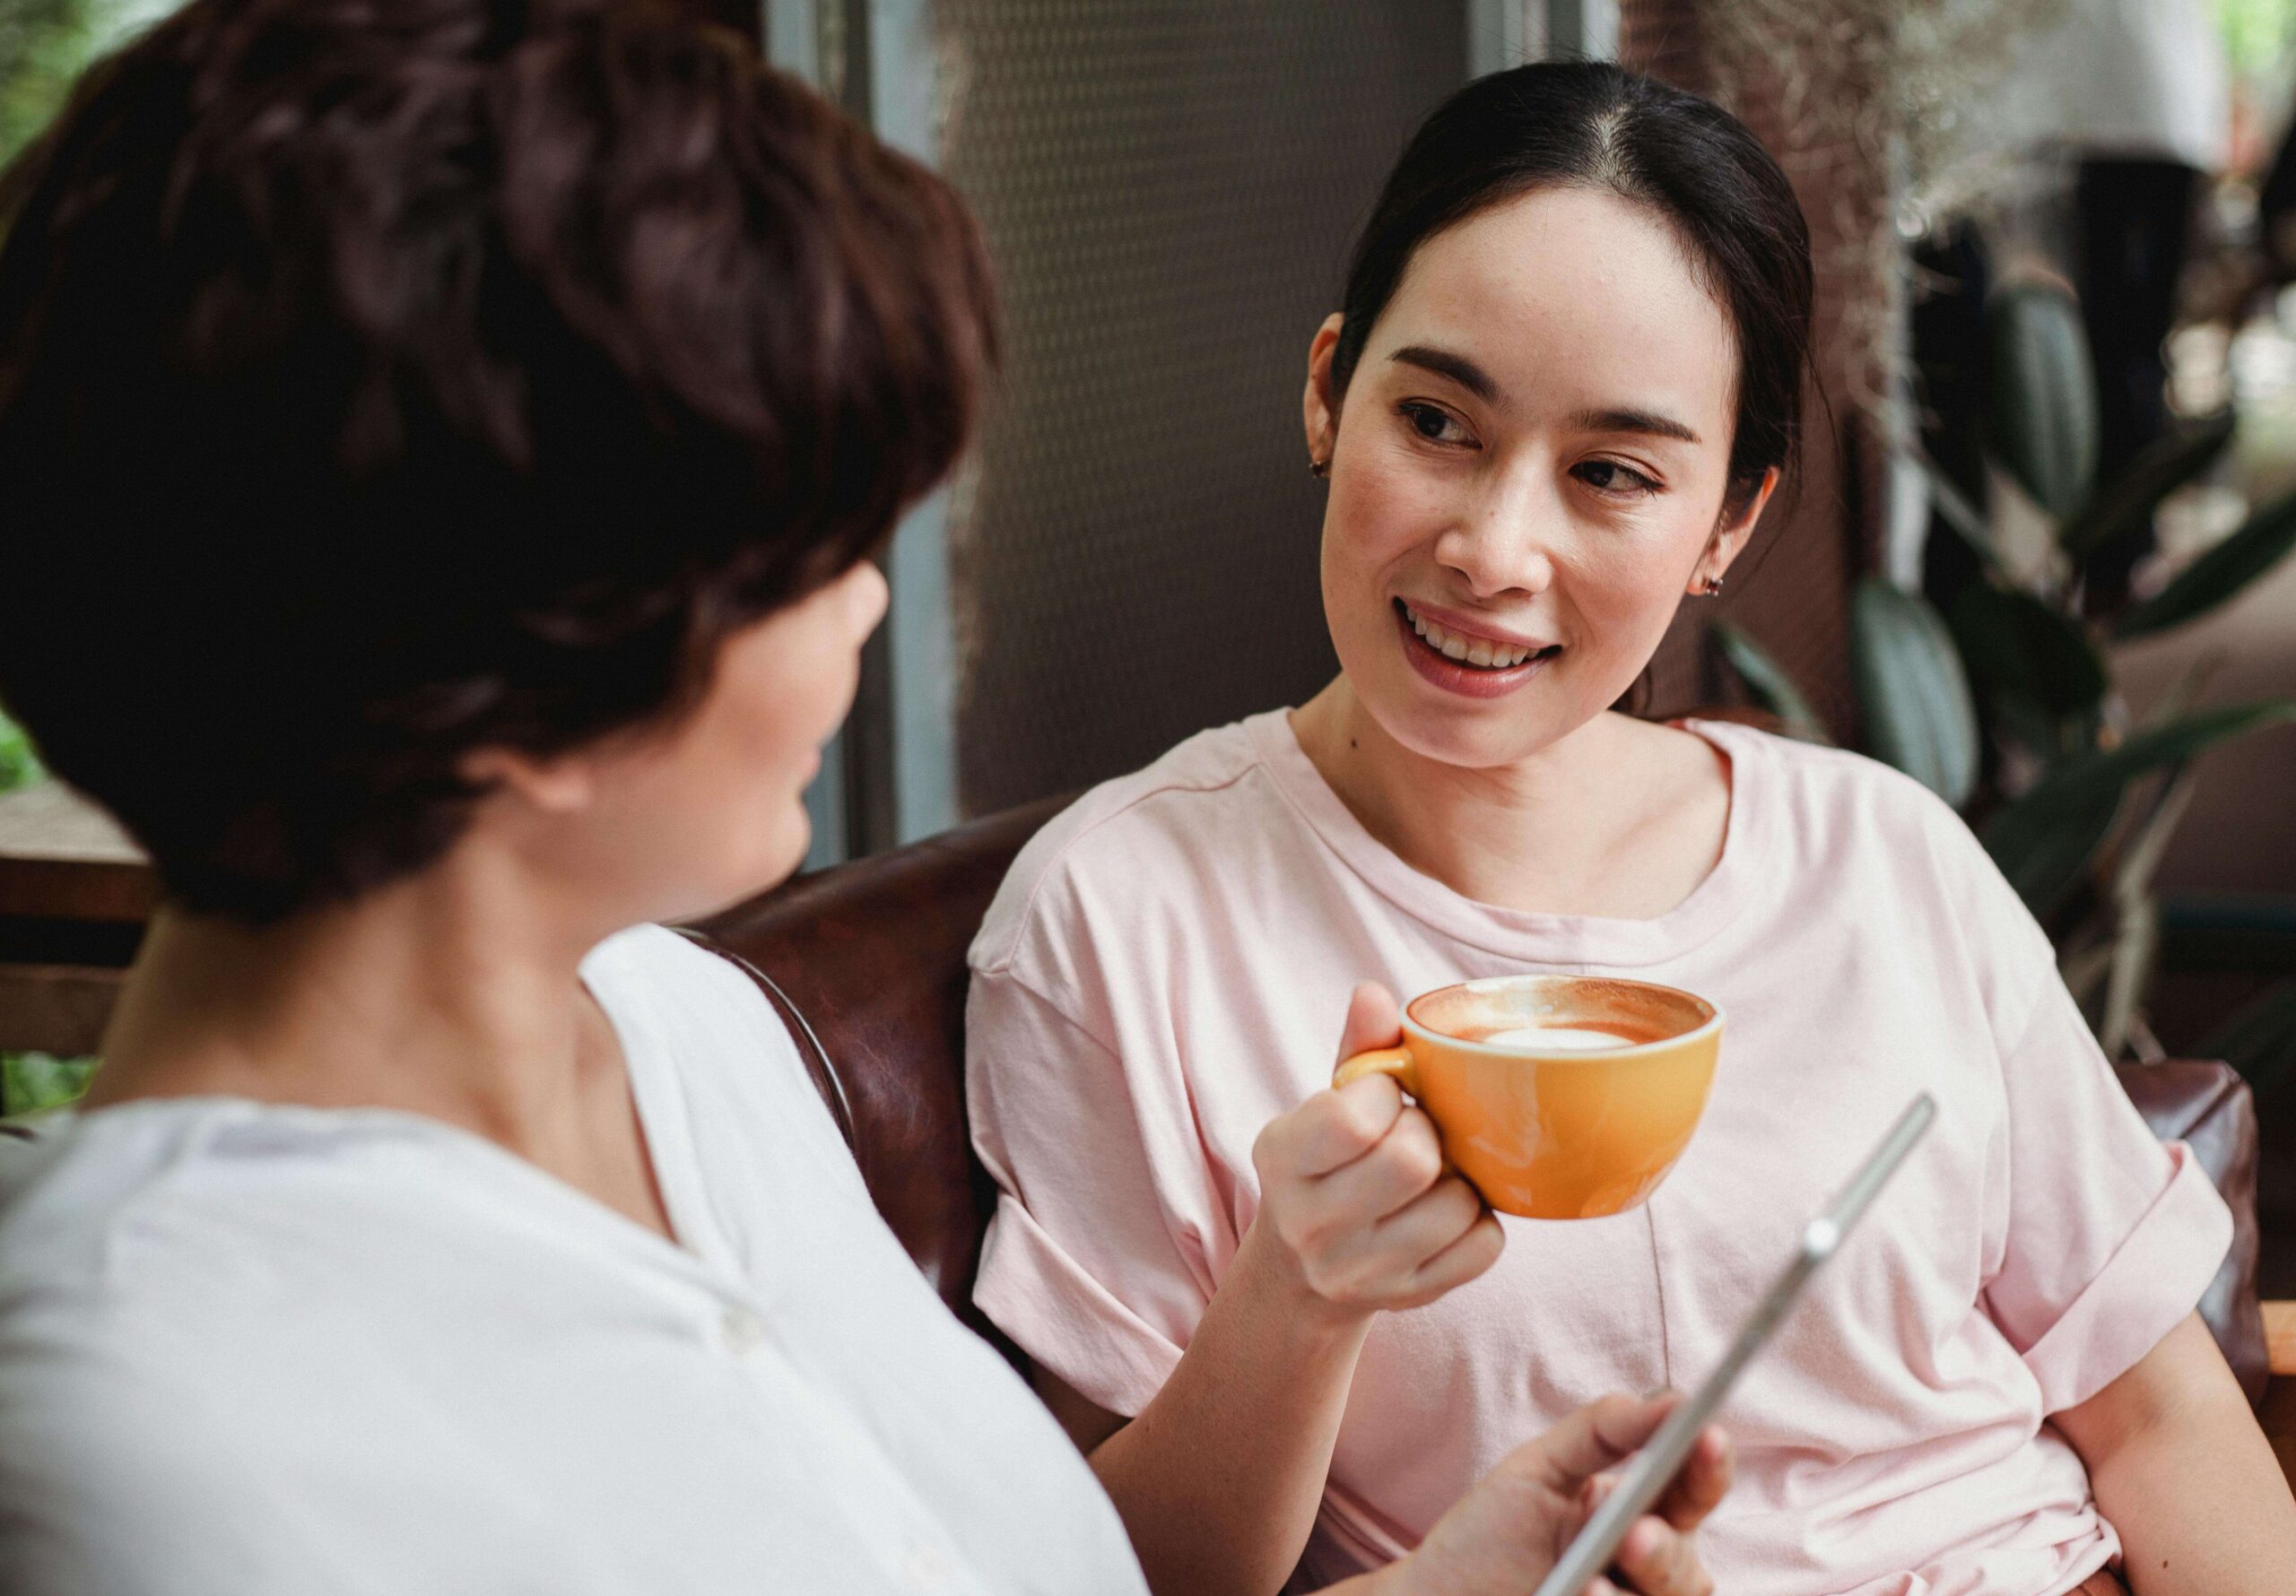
[379, 382]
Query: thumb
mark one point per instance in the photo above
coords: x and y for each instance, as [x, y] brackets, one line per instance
[1374, 1020]
[1598, 1437]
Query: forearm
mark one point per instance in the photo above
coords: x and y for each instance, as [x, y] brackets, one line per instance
[2181, 1471]
[1218, 1478]
[2200, 1508]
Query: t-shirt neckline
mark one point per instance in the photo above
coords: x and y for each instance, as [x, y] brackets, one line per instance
[1530, 935]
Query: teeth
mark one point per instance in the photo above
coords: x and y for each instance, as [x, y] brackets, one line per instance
[1470, 651]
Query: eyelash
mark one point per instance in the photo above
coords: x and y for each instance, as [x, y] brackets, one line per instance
[1639, 484]
[1415, 411]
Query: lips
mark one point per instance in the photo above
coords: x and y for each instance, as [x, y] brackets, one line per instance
[1446, 656]
[1463, 647]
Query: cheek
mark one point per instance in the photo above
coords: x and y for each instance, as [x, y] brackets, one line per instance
[1374, 517]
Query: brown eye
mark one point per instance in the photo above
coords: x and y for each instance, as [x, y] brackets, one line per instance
[1609, 476]
[1431, 423]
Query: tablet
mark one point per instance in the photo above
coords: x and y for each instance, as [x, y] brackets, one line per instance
[1654, 1467]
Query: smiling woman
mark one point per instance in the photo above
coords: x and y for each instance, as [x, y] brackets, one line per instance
[1563, 384]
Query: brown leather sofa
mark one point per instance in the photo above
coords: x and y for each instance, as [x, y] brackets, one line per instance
[866, 962]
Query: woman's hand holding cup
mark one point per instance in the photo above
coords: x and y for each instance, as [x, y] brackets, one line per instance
[1358, 1211]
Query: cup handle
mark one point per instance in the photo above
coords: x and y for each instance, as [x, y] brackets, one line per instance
[1396, 1061]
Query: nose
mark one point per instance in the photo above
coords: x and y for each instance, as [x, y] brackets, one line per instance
[1504, 539]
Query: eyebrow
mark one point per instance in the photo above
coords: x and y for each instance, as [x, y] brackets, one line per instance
[1633, 420]
[1475, 380]
[1461, 371]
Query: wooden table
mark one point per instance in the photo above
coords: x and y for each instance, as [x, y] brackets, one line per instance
[74, 892]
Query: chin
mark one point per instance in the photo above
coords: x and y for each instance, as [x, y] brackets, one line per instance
[752, 865]
[1469, 736]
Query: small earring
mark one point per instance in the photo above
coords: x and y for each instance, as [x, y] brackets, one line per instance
[1713, 587]
[1319, 469]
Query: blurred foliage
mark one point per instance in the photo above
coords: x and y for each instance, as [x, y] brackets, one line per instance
[44, 46]
[19, 765]
[33, 1082]
[1994, 687]
[2258, 33]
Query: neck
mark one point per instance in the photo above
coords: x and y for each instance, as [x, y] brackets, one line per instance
[455, 993]
[1472, 829]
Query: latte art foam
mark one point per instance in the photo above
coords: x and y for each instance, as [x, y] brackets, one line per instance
[1558, 1038]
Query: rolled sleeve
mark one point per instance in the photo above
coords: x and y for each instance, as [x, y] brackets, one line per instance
[1095, 1261]
[1066, 1319]
[2111, 1238]
[2154, 1279]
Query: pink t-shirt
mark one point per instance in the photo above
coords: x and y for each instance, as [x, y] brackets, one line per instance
[1166, 967]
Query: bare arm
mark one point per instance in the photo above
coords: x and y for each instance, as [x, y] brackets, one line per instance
[1218, 1478]
[2181, 1471]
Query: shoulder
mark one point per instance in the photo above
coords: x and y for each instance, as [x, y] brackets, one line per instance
[697, 1028]
[152, 1267]
[1831, 798]
[1852, 836]
[1128, 844]
[659, 967]
[682, 1006]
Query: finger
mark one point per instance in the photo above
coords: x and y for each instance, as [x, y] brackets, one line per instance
[1659, 1560]
[1703, 1481]
[1426, 1224]
[1331, 1129]
[1403, 1166]
[1595, 1492]
[1374, 1020]
[1464, 1260]
[1603, 1433]
[1375, 1264]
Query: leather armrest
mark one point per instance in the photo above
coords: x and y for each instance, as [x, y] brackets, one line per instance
[2207, 1106]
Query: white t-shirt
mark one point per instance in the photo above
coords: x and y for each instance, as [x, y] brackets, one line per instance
[270, 1352]
[1166, 967]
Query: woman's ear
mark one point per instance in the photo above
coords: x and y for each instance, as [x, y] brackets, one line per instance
[1319, 406]
[1731, 537]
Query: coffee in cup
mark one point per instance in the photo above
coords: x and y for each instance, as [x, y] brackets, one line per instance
[1558, 1097]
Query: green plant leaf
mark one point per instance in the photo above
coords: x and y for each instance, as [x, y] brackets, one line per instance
[2042, 395]
[33, 1082]
[2045, 840]
[2259, 1039]
[1769, 683]
[2263, 540]
[1955, 508]
[2127, 501]
[1915, 700]
[2016, 647]
[2044, 851]
[19, 766]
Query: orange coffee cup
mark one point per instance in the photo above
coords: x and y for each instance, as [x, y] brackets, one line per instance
[1558, 1097]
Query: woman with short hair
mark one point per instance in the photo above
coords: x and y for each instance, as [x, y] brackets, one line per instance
[444, 443]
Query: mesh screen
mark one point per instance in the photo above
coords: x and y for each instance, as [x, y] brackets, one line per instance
[1169, 189]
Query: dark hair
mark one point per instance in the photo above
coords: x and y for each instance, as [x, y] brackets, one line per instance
[379, 382]
[1592, 124]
